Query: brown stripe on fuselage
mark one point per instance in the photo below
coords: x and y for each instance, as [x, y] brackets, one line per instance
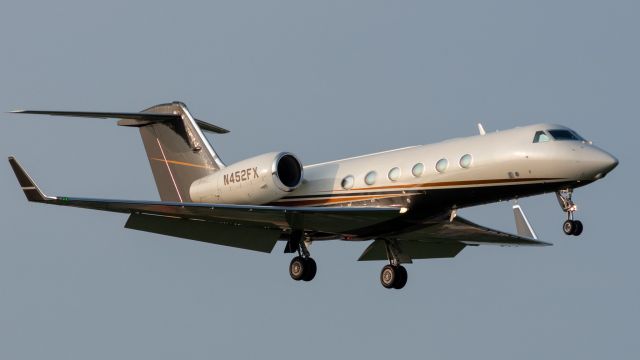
[343, 196]
[456, 183]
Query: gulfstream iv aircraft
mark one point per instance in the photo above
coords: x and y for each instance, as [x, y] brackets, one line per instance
[405, 200]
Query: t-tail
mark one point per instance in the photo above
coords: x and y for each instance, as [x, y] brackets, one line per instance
[176, 147]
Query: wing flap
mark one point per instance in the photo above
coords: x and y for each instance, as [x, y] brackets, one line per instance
[413, 249]
[244, 237]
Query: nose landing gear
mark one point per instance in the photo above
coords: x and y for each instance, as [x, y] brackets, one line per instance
[570, 226]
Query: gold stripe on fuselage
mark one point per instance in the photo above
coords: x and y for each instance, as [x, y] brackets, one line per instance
[336, 200]
[183, 163]
[343, 196]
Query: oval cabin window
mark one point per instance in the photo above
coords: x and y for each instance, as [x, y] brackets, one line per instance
[370, 178]
[441, 165]
[465, 161]
[417, 169]
[394, 174]
[347, 182]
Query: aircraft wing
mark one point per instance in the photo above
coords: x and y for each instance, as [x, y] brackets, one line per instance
[245, 226]
[445, 239]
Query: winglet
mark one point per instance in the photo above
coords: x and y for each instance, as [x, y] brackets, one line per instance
[522, 223]
[31, 190]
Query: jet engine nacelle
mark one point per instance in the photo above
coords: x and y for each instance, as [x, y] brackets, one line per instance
[258, 180]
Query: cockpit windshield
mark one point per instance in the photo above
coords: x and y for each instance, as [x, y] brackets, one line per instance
[540, 137]
[565, 135]
[556, 134]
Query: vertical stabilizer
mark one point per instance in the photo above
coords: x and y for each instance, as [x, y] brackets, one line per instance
[178, 151]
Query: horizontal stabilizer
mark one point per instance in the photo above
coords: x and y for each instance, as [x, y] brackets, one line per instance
[128, 118]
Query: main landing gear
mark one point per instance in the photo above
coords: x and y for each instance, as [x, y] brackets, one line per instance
[302, 267]
[394, 275]
[570, 226]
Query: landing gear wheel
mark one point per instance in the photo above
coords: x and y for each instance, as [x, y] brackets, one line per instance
[578, 228]
[401, 277]
[569, 227]
[393, 277]
[302, 268]
[297, 268]
[573, 227]
[388, 276]
[310, 269]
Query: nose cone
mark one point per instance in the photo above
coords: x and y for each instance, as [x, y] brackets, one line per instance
[601, 163]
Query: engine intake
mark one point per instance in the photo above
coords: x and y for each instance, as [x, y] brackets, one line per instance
[287, 171]
[258, 180]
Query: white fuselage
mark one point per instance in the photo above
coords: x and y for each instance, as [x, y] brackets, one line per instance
[497, 164]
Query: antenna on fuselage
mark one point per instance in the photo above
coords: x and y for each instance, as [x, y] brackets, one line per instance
[481, 129]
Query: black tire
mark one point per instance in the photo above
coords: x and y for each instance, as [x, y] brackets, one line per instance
[569, 227]
[578, 228]
[297, 268]
[310, 269]
[388, 276]
[401, 277]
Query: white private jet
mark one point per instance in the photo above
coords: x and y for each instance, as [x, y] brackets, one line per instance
[405, 200]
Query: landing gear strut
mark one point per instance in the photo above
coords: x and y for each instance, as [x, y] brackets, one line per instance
[570, 226]
[302, 267]
[394, 275]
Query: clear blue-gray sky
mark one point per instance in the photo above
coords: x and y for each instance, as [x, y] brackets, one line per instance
[323, 80]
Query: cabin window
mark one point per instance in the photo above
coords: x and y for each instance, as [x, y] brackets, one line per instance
[347, 182]
[441, 165]
[370, 178]
[540, 137]
[394, 174]
[465, 161]
[417, 169]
